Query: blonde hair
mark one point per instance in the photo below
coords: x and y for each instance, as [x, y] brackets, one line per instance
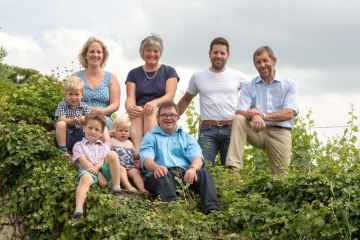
[120, 120]
[74, 84]
[85, 48]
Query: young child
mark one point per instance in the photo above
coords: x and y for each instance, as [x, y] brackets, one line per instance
[70, 115]
[95, 161]
[120, 143]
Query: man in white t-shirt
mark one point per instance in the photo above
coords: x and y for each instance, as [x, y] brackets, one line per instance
[219, 88]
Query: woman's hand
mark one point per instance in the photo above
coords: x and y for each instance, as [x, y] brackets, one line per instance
[135, 111]
[149, 108]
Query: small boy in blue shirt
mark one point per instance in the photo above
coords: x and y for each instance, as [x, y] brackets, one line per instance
[70, 115]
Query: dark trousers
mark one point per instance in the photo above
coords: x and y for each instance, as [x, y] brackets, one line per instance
[165, 187]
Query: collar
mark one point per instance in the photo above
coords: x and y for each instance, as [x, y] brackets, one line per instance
[81, 105]
[158, 130]
[277, 78]
[85, 141]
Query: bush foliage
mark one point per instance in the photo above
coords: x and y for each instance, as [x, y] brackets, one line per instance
[319, 200]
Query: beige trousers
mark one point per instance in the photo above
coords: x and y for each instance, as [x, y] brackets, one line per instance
[276, 141]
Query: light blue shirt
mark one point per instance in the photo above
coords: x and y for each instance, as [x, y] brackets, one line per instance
[280, 94]
[176, 150]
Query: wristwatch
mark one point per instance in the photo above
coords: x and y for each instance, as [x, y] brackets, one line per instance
[264, 116]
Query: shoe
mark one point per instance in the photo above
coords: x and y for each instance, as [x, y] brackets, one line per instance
[77, 216]
[118, 192]
[212, 210]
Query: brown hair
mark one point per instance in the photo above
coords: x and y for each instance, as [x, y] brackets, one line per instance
[168, 104]
[96, 115]
[220, 41]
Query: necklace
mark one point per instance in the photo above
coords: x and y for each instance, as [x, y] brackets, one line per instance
[150, 78]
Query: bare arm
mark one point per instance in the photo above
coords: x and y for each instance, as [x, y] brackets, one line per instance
[185, 102]
[280, 116]
[89, 166]
[130, 103]
[115, 92]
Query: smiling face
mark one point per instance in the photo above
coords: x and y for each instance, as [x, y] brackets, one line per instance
[265, 66]
[94, 55]
[93, 130]
[168, 118]
[218, 57]
[123, 131]
[74, 98]
[151, 55]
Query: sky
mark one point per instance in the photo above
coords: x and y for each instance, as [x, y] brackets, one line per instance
[316, 42]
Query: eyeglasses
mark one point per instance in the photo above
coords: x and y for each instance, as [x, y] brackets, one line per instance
[171, 116]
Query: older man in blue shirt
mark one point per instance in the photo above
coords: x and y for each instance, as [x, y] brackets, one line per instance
[166, 152]
[264, 115]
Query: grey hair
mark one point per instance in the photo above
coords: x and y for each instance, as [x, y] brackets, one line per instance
[263, 49]
[152, 40]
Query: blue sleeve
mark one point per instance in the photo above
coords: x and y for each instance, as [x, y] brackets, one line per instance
[147, 148]
[171, 73]
[291, 97]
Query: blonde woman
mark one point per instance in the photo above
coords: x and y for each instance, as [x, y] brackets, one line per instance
[102, 89]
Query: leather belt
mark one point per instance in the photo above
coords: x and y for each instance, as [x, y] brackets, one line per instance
[219, 123]
[286, 128]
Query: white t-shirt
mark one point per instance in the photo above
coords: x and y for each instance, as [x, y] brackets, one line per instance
[219, 92]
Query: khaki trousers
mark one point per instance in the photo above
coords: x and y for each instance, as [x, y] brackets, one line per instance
[276, 141]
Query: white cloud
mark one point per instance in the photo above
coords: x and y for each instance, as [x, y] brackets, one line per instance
[22, 50]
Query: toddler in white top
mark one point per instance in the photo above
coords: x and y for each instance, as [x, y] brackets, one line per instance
[128, 155]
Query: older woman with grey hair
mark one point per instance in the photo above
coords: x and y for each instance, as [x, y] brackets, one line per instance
[147, 86]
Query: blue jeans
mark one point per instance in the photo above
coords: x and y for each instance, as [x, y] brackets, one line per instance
[213, 139]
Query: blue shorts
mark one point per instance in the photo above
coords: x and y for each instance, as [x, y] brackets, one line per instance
[105, 170]
[72, 136]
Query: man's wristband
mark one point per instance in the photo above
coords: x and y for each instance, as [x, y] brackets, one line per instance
[193, 166]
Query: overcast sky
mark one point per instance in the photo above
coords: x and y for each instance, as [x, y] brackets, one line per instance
[316, 42]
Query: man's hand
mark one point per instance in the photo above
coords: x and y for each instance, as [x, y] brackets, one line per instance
[252, 112]
[160, 171]
[257, 123]
[190, 175]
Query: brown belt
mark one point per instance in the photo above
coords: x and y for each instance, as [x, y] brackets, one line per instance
[216, 123]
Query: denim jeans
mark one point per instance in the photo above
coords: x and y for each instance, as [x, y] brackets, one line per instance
[213, 139]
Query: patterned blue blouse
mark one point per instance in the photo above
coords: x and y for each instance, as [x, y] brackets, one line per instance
[99, 97]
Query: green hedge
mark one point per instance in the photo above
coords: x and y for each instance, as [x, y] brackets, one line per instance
[319, 200]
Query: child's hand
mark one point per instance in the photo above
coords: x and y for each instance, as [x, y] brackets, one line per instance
[136, 154]
[94, 170]
[137, 163]
[76, 120]
[81, 119]
[102, 180]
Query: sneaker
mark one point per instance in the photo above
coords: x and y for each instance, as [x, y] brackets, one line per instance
[77, 216]
[118, 192]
